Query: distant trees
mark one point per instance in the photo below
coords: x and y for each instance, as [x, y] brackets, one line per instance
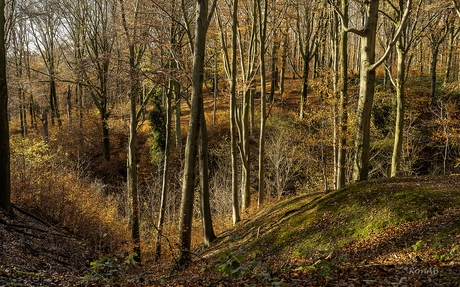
[5, 183]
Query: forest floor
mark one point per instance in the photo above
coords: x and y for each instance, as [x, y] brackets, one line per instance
[385, 232]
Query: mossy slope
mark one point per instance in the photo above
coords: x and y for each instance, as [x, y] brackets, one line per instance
[331, 221]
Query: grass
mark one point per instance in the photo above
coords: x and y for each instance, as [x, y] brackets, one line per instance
[357, 212]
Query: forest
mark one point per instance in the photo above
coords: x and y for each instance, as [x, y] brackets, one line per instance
[229, 143]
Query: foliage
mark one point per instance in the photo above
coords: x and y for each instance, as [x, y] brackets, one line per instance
[49, 185]
[232, 263]
[322, 265]
[110, 269]
[157, 118]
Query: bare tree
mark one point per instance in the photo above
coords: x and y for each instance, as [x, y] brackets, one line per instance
[5, 181]
[188, 191]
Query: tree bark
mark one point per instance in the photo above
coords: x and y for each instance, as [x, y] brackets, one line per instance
[263, 110]
[208, 230]
[341, 156]
[165, 186]
[400, 108]
[188, 190]
[434, 64]
[246, 169]
[233, 139]
[449, 55]
[5, 173]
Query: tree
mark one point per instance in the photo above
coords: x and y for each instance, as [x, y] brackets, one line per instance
[307, 47]
[5, 181]
[404, 43]
[188, 191]
[437, 33]
[368, 65]
[341, 153]
[99, 46]
[231, 71]
[45, 27]
[263, 101]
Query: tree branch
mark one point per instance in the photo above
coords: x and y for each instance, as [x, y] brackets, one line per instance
[395, 38]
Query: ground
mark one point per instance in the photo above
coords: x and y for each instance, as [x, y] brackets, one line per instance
[386, 232]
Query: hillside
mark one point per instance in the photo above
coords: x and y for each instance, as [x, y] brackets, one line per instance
[384, 232]
[377, 233]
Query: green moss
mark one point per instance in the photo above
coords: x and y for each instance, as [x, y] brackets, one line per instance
[332, 220]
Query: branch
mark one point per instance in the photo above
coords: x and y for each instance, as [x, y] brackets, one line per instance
[456, 7]
[211, 12]
[395, 38]
[391, 77]
[344, 27]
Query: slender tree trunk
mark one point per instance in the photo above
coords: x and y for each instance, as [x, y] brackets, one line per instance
[263, 111]
[216, 88]
[45, 126]
[274, 72]
[33, 120]
[449, 55]
[366, 95]
[304, 92]
[165, 186]
[283, 62]
[80, 104]
[105, 136]
[434, 63]
[233, 139]
[208, 230]
[251, 95]
[5, 173]
[21, 113]
[246, 171]
[341, 156]
[188, 190]
[132, 174]
[177, 100]
[400, 107]
[335, 62]
[69, 104]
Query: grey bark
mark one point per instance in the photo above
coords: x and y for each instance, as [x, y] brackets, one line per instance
[5, 173]
[188, 190]
[341, 156]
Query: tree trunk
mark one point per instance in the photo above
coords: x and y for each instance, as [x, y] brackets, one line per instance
[208, 230]
[304, 92]
[177, 100]
[274, 73]
[69, 104]
[45, 126]
[21, 113]
[434, 63]
[449, 55]
[216, 88]
[366, 94]
[263, 117]
[234, 158]
[188, 190]
[132, 175]
[341, 156]
[400, 107]
[283, 62]
[246, 170]
[5, 173]
[105, 136]
[165, 186]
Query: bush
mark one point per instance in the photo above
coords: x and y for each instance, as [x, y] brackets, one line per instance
[45, 183]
